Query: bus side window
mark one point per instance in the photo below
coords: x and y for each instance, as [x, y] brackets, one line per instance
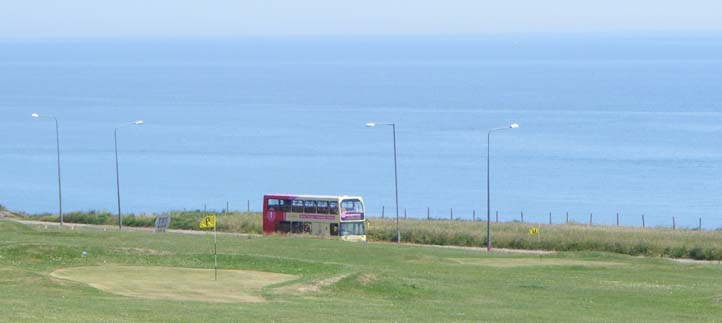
[309, 206]
[285, 227]
[322, 207]
[297, 206]
[334, 229]
[333, 207]
[273, 205]
[285, 205]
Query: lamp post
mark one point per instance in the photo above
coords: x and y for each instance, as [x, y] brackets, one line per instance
[117, 173]
[488, 185]
[57, 145]
[396, 177]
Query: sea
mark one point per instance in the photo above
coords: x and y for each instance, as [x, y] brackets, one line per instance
[624, 126]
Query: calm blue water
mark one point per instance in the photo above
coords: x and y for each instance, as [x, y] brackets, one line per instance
[609, 123]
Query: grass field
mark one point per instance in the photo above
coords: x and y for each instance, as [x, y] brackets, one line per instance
[151, 277]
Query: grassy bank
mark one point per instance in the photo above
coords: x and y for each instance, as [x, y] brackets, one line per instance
[701, 245]
[183, 220]
[333, 280]
[681, 243]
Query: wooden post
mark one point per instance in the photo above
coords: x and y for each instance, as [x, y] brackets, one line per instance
[522, 216]
[226, 207]
[248, 206]
[428, 213]
[473, 215]
[550, 218]
[497, 216]
[383, 209]
[700, 224]
[404, 213]
[642, 220]
[674, 225]
[567, 217]
[617, 218]
[590, 219]
[451, 213]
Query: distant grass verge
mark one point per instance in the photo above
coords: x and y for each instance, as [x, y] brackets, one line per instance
[662, 242]
[242, 222]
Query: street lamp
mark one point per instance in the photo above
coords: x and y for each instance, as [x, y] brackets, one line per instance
[488, 175]
[396, 177]
[57, 142]
[117, 173]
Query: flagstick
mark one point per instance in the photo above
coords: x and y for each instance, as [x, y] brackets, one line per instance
[539, 245]
[215, 250]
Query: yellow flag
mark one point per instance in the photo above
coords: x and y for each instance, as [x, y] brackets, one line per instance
[534, 231]
[208, 222]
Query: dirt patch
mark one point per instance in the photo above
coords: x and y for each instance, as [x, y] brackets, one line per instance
[311, 287]
[182, 284]
[524, 262]
[366, 279]
[143, 251]
[640, 285]
[694, 261]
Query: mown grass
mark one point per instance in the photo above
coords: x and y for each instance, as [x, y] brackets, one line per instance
[383, 282]
[658, 242]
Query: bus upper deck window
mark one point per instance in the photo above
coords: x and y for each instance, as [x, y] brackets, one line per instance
[285, 205]
[297, 206]
[309, 206]
[322, 207]
[354, 206]
[273, 205]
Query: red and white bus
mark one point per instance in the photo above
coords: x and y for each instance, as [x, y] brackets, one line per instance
[312, 214]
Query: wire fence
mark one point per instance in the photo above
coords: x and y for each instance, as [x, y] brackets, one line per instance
[551, 218]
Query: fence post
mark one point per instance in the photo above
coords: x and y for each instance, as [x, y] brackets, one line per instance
[617, 218]
[226, 207]
[642, 220]
[674, 225]
[522, 216]
[590, 219]
[383, 208]
[497, 216]
[567, 217]
[428, 213]
[248, 206]
[404, 213]
[700, 224]
[473, 215]
[451, 213]
[550, 218]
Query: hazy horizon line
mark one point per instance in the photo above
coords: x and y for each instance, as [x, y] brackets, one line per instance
[395, 36]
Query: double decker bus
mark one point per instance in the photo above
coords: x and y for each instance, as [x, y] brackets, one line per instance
[312, 214]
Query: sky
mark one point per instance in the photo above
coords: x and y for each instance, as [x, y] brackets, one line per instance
[21, 19]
